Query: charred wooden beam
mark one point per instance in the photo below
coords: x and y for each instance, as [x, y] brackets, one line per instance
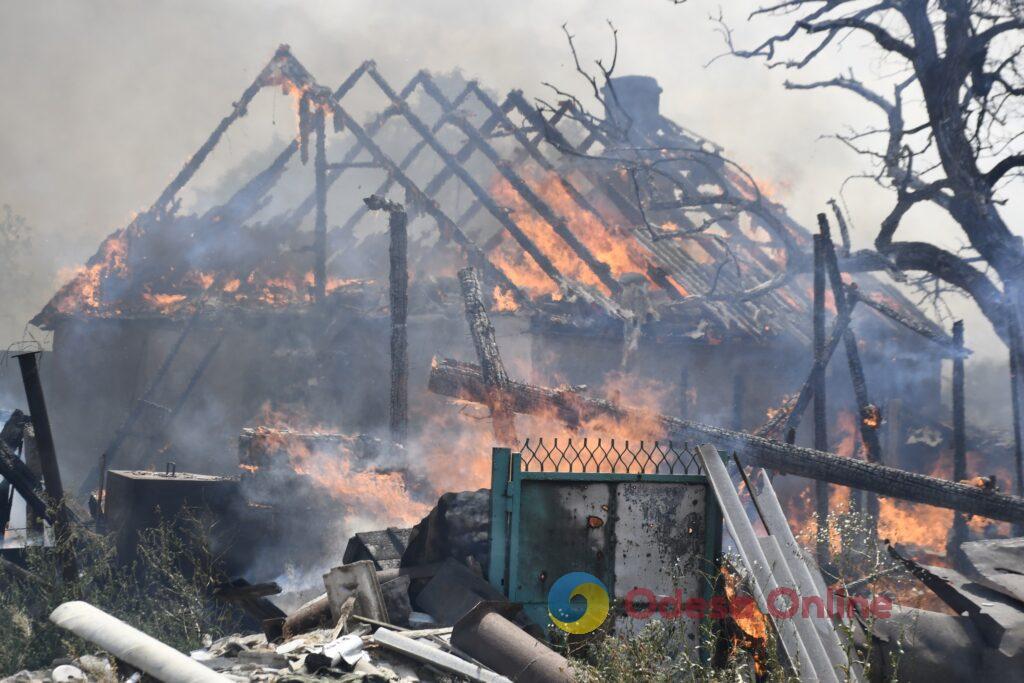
[739, 391]
[530, 148]
[372, 128]
[24, 481]
[685, 404]
[445, 224]
[958, 533]
[12, 436]
[622, 203]
[238, 110]
[411, 157]
[465, 382]
[320, 229]
[479, 192]
[492, 368]
[869, 416]
[820, 415]
[29, 365]
[518, 157]
[844, 229]
[1016, 378]
[398, 289]
[601, 270]
[896, 316]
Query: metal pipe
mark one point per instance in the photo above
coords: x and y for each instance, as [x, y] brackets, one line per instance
[488, 636]
[131, 645]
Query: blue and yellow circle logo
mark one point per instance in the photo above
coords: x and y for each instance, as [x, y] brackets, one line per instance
[574, 618]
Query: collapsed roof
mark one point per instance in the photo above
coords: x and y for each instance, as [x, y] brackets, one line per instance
[559, 227]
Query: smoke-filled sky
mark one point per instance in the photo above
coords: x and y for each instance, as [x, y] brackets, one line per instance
[104, 100]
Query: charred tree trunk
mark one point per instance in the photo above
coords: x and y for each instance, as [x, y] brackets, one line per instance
[494, 376]
[465, 381]
[820, 415]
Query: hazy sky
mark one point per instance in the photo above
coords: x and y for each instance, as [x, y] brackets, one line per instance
[104, 100]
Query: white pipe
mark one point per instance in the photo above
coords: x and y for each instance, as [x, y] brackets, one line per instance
[131, 645]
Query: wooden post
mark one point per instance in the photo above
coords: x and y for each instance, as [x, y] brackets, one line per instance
[684, 393]
[738, 395]
[869, 417]
[320, 229]
[958, 533]
[494, 375]
[29, 364]
[398, 292]
[820, 417]
[1016, 357]
[398, 279]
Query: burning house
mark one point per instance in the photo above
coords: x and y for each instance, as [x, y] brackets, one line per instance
[615, 250]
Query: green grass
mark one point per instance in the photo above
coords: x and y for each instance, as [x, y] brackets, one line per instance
[164, 593]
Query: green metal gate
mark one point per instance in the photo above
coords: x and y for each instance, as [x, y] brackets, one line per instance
[635, 515]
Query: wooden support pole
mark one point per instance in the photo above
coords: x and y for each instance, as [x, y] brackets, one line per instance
[685, 407]
[738, 396]
[1016, 379]
[465, 381]
[29, 365]
[820, 414]
[869, 415]
[958, 534]
[320, 229]
[398, 279]
[448, 228]
[492, 368]
[558, 224]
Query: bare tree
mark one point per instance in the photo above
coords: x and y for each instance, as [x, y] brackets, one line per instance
[958, 68]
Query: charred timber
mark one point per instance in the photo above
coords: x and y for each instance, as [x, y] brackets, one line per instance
[790, 420]
[958, 534]
[445, 224]
[480, 193]
[913, 325]
[1016, 371]
[523, 189]
[95, 478]
[398, 293]
[464, 381]
[29, 364]
[493, 369]
[320, 228]
[407, 161]
[818, 373]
